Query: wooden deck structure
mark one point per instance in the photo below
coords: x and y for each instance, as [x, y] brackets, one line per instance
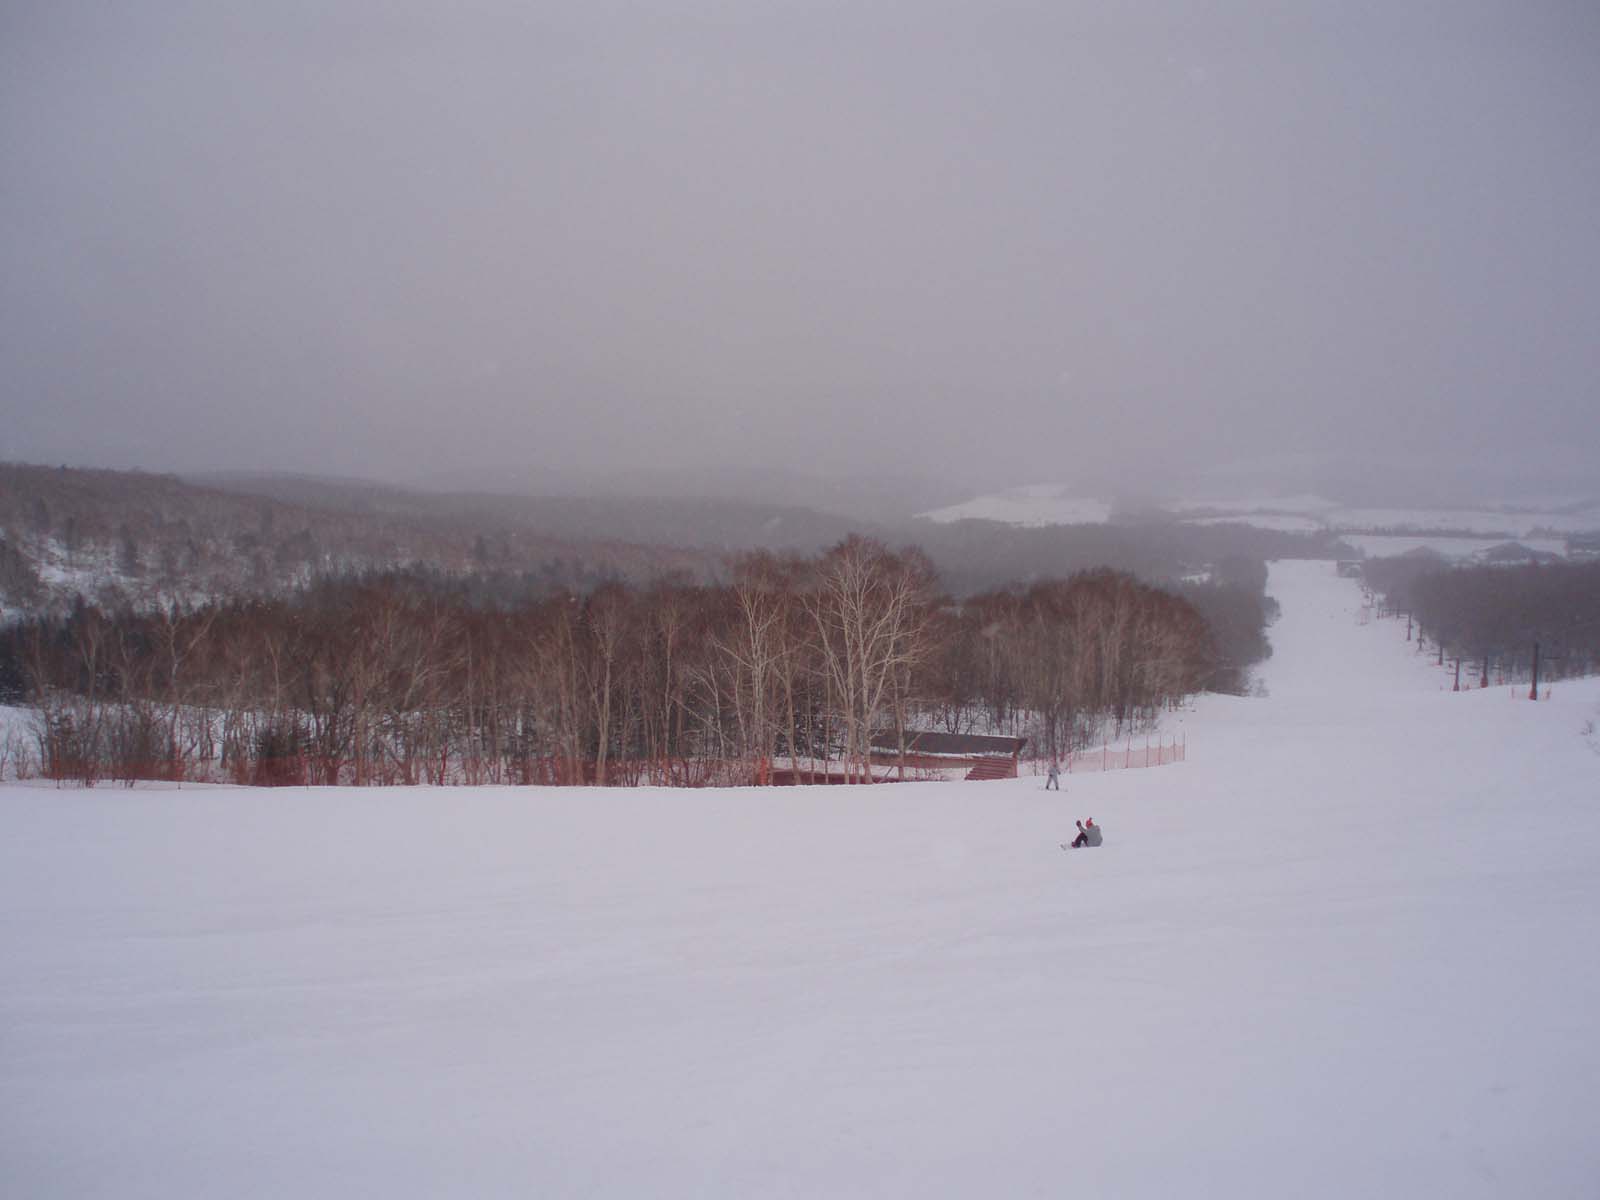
[985, 756]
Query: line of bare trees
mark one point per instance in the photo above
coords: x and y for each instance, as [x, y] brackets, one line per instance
[1058, 660]
[1487, 620]
[388, 680]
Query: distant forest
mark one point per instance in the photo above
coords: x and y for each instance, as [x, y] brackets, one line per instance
[1487, 619]
[400, 678]
[121, 539]
[127, 538]
[161, 628]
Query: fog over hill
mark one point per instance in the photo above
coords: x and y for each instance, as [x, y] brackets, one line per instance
[135, 537]
[890, 493]
[684, 520]
[808, 255]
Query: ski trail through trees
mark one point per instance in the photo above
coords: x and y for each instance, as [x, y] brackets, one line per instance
[1338, 951]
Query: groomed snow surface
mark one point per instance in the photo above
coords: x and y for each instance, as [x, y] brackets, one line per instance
[1347, 949]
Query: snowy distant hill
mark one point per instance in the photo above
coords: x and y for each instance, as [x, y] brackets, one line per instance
[1047, 504]
[131, 537]
[1033, 505]
[1483, 520]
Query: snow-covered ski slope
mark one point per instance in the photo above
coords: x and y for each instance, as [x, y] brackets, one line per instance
[1347, 949]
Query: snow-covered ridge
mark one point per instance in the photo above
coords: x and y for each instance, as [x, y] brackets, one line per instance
[1031, 505]
[97, 573]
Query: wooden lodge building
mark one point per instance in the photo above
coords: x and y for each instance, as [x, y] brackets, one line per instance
[983, 756]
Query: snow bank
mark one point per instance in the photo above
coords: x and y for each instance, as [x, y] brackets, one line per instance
[1342, 951]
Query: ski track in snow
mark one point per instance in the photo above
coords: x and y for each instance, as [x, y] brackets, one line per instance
[1345, 949]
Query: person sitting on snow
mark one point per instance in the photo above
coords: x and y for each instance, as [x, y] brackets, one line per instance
[1088, 835]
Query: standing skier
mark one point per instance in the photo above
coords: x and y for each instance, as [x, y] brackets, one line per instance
[1053, 780]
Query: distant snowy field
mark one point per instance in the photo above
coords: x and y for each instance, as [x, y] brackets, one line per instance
[1321, 513]
[1345, 950]
[1057, 504]
[1033, 505]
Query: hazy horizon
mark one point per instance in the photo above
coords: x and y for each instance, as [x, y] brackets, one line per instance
[912, 248]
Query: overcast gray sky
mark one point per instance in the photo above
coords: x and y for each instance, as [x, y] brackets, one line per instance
[983, 242]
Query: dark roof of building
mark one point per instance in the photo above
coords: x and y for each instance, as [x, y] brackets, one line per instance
[929, 742]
